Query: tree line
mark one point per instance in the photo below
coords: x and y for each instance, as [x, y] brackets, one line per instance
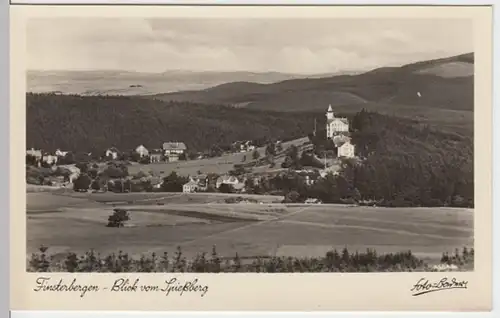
[95, 123]
[333, 261]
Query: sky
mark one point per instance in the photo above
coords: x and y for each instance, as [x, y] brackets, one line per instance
[302, 46]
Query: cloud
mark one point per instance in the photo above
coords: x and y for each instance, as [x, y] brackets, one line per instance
[285, 45]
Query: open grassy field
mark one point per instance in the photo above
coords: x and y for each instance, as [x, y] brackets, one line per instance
[161, 222]
[219, 165]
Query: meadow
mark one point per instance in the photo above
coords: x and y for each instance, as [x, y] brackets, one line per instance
[219, 165]
[161, 222]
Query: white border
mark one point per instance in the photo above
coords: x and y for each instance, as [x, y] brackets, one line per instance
[257, 2]
[4, 62]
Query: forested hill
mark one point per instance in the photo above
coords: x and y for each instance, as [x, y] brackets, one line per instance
[94, 123]
[409, 161]
[446, 83]
[412, 163]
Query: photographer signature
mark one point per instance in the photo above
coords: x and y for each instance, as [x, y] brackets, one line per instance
[423, 286]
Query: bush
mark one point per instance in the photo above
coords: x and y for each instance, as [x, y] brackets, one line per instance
[118, 218]
[292, 197]
[226, 188]
[82, 183]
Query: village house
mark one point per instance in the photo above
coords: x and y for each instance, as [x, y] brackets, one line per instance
[190, 187]
[230, 180]
[156, 155]
[346, 150]
[112, 153]
[334, 169]
[72, 172]
[142, 151]
[247, 146]
[35, 153]
[173, 150]
[239, 187]
[49, 158]
[202, 181]
[61, 153]
[335, 125]
[310, 177]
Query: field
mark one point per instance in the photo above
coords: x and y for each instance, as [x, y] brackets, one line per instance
[161, 221]
[219, 165]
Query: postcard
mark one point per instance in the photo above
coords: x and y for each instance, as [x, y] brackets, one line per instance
[291, 158]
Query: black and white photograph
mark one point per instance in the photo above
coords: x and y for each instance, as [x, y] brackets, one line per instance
[249, 145]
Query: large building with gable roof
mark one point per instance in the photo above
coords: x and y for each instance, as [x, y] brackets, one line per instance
[335, 125]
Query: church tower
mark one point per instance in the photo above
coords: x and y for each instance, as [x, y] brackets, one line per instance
[335, 125]
[329, 113]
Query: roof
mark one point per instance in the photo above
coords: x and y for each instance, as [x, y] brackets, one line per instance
[340, 140]
[344, 120]
[141, 146]
[156, 152]
[174, 146]
[239, 186]
[34, 152]
[330, 108]
[200, 176]
[114, 149]
[347, 143]
[227, 179]
[191, 183]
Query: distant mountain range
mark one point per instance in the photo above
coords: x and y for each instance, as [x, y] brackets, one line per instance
[446, 83]
[90, 83]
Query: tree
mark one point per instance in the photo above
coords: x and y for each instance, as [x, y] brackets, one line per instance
[173, 182]
[83, 166]
[95, 185]
[118, 218]
[226, 188]
[249, 185]
[134, 156]
[279, 147]
[45, 164]
[31, 160]
[93, 173]
[82, 183]
[145, 160]
[238, 170]
[68, 159]
[116, 171]
[292, 197]
[271, 149]
[255, 154]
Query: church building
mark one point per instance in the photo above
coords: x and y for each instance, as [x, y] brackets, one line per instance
[335, 125]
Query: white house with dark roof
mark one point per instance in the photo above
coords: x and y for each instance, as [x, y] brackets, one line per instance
[190, 187]
[173, 150]
[335, 125]
[156, 155]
